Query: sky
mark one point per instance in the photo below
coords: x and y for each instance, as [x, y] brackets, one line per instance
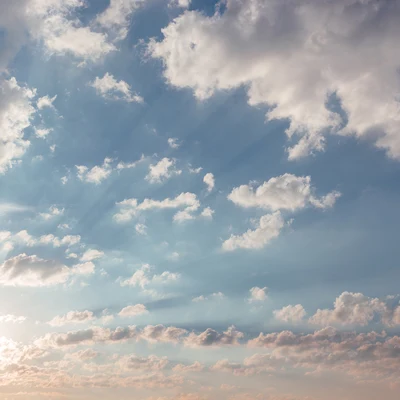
[199, 199]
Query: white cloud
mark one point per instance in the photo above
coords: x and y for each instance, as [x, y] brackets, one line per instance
[291, 314]
[45, 101]
[99, 173]
[209, 181]
[116, 18]
[96, 174]
[53, 148]
[122, 165]
[72, 317]
[10, 208]
[111, 89]
[180, 3]
[12, 318]
[86, 268]
[55, 25]
[42, 132]
[32, 271]
[285, 192]
[162, 171]
[195, 170]
[141, 229]
[16, 113]
[174, 256]
[213, 296]
[144, 277]
[129, 208]
[268, 228]
[91, 254]
[258, 294]
[207, 213]
[64, 180]
[350, 309]
[53, 212]
[173, 143]
[292, 56]
[133, 311]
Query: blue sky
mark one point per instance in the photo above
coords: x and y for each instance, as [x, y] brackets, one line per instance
[193, 193]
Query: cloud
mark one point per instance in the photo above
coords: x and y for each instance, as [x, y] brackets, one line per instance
[141, 229]
[16, 114]
[293, 58]
[195, 367]
[162, 171]
[285, 192]
[207, 213]
[144, 277]
[12, 318]
[72, 317]
[96, 174]
[350, 309]
[129, 208]
[180, 3]
[42, 132]
[91, 254]
[10, 208]
[150, 363]
[268, 228]
[210, 337]
[213, 296]
[23, 237]
[55, 25]
[111, 89]
[45, 102]
[209, 181]
[258, 294]
[82, 355]
[116, 18]
[133, 311]
[53, 212]
[291, 314]
[173, 143]
[32, 271]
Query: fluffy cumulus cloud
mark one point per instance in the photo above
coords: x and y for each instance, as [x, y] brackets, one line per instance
[162, 171]
[16, 113]
[45, 102]
[12, 318]
[96, 174]
[351, 309]
[24, 270]
[291, 314]
[210, 337]
[209, 180]
[53, 212]
[111, 89]
[188, 202]
[294, 58]
[133, 311]
[268, 227]
[173, 143]
[72, 317]
[144, 277]
[285, 192]
[91, 254]
[54, 23]
[258, 294]
[116, 18]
